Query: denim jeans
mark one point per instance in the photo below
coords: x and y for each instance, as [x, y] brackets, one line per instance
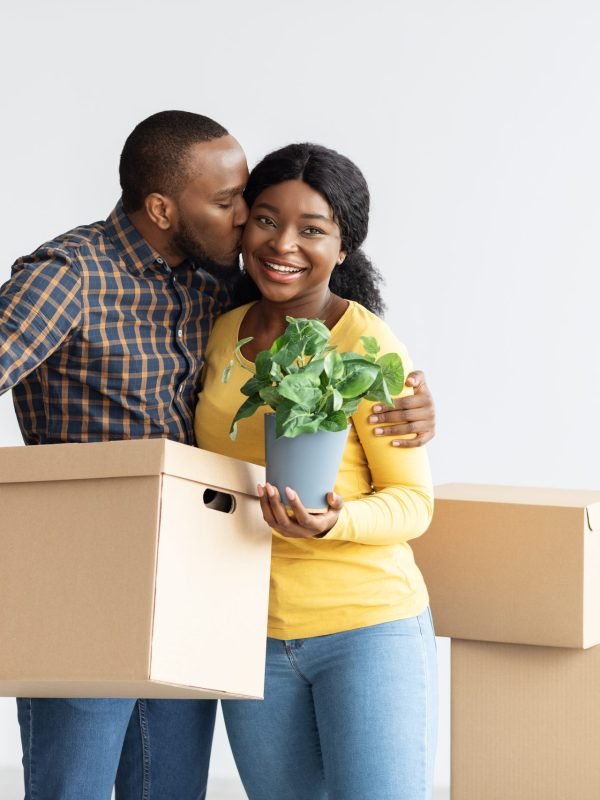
[348, 716]
[77, 749]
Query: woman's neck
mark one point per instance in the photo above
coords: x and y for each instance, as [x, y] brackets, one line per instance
[265, 321]
[324, 306]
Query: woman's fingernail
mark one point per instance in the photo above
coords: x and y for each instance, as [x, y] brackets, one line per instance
[395, 443]
[270, 490]
[373, 419]
[290, 493]
[378, 431]
[260, 490]
[377, 409]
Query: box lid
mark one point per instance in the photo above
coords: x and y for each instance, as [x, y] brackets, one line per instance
[118, 459]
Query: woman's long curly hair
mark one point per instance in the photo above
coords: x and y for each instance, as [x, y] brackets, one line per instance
[344, 187]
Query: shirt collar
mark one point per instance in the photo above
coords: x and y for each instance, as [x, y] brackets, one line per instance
[138, 253]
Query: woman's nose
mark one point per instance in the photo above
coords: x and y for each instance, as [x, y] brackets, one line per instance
[283, 240]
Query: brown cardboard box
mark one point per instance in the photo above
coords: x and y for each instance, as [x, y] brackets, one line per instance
[510, 564]
[525, 722]
[117, 579]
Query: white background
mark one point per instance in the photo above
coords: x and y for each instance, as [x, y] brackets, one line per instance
[477, 124]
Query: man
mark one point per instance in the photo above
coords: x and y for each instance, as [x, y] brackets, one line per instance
[102, 332]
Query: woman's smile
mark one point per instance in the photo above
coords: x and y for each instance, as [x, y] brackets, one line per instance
[281, 271]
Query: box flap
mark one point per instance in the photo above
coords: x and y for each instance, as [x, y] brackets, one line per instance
[139, 457]
[593, 516]
[519, 495]
[220, 472]
[64, 462]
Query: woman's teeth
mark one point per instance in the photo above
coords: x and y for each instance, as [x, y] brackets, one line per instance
[281, 268]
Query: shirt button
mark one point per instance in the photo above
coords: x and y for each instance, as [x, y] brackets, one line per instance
[180, 333]
[159, 261]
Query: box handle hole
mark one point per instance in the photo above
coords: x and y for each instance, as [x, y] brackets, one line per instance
[219, 501]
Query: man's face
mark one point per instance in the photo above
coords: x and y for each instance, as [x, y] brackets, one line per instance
[210, 209]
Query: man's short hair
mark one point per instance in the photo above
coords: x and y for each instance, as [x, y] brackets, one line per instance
[155, 154]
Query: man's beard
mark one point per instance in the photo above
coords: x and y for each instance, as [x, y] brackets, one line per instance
[185, 242]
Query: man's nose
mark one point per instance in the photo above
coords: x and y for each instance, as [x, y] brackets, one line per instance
[240, 216]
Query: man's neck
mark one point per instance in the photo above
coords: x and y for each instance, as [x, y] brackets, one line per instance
[157, 239]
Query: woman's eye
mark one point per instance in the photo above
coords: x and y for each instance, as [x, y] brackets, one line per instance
[265, 220]
[224, 205]
[313, 231]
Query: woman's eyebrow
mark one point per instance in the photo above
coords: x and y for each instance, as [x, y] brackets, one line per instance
[275, 210]
[269, 207]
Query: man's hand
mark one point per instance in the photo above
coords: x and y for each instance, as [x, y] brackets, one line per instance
[414, 414]
[302, 525]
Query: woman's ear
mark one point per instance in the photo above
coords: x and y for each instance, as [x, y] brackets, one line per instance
[341, 258]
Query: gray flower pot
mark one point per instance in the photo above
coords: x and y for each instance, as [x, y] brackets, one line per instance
[308, 463]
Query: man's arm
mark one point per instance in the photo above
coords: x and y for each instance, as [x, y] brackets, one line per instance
[413, 414]
[39, 308]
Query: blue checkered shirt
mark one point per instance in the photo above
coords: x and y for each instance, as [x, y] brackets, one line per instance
[101, 340]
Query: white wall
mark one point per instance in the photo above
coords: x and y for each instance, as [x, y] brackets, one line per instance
[478, 127]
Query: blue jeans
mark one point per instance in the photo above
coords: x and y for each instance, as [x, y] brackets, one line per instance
[77, 749]
[348, 716]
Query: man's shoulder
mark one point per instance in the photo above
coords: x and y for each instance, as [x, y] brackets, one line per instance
[83, 237]
[77, 247]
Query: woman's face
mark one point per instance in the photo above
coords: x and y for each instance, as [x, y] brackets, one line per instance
[291, 242]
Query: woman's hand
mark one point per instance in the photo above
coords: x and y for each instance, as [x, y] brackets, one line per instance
[302, 525]
[413, 414]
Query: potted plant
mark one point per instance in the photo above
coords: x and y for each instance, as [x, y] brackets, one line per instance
[313, 391]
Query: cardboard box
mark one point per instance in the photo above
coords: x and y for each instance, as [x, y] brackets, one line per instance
[525, 722]
[516, 565]
[121, 577]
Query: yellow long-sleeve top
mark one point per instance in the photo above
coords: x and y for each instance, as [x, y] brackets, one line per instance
[362, 572]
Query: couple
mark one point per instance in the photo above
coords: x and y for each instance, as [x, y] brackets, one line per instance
[104, 335]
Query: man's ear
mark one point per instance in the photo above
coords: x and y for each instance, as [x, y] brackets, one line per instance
[159, 209]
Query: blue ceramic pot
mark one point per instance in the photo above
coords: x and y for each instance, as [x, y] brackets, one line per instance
[308, 463]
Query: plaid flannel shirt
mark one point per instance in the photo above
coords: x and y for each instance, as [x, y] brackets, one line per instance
[100, 339]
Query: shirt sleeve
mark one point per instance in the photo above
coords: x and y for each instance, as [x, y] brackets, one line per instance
[40, 307]
[401, 504]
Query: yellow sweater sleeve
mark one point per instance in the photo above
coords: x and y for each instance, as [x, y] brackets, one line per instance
[401, 504]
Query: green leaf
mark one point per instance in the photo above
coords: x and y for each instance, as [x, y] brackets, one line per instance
[227, 372]
[379, 392]
[350, 406]
[392, 371]
[335, 422]
[360, 375]
[252, 386]
[270, 396]
[334, 366]
[288, 354]
[242, 342]
[263, 364]
[371, 345]
[247, 408]
[315, 366]
[303, 389]
[295, 422]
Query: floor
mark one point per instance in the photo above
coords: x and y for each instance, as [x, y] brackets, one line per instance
[11, 788]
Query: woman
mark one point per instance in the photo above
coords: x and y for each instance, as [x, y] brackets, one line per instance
[350, 695]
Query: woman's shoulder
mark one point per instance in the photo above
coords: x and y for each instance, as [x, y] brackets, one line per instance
[359, 321]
